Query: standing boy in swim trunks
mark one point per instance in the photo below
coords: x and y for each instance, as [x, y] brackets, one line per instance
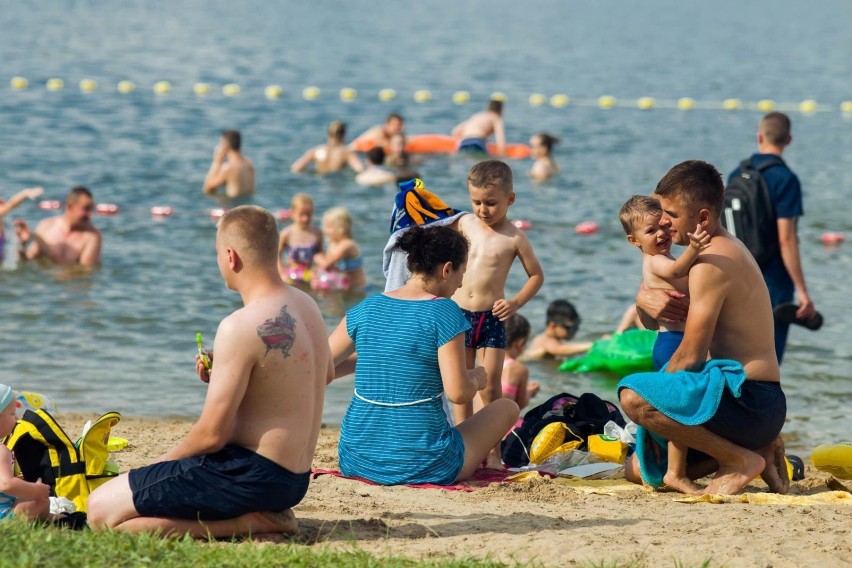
[640, 216]
[474, 132]
[247, 460]
[494, 244]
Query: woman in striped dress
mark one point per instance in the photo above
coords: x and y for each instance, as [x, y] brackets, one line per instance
[410, 351]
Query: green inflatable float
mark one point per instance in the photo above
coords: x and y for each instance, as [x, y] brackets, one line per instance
[623, 354]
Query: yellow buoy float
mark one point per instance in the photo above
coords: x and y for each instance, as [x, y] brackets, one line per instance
[55, 84]
[201, 89]
[125, 87]
[422, 96]
[808, 106]
[559, 100]
[646, 103]
[387, 95]
[537, 99]
[19, 83]
[461, 97]
[685, 103]
[273, 92]
[765, 105]
[732, 104]
[498, 96]
[846, 106]
[835, 459]
[348, 94]
[162, 87]
[606, 102]
[88, 85]
[231, 90]
[311, 93]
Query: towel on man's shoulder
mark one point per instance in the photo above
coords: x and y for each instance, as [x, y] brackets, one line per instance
[413, 205]
[691, 398]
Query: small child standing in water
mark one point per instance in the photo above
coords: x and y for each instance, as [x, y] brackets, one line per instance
[8, 206]
[300, 241]
[341, 266]
[544, 166]
[515, 378]
[640, 216]
[494, 244]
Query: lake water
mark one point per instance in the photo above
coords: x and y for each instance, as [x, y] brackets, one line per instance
[122, 338]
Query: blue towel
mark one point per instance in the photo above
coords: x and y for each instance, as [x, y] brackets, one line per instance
[690, 398]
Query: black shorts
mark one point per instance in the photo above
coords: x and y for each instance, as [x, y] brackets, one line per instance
[486, 330]
[224, 485]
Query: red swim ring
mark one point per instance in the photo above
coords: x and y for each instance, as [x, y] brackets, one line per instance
[523, 224]
[586, 228]
[106, 208]
[283, 214]
[49, 204]
[161, 211]
[832, 238]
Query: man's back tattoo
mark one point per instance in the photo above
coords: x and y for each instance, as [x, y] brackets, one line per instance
[278, 333]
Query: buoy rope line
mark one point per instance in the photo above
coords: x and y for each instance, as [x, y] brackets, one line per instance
[559, 100]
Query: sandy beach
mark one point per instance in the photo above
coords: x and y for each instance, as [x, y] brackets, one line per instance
[545, 521]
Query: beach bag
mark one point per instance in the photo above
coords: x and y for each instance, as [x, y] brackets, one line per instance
[749, 213]
[72, 470]
[582, 416]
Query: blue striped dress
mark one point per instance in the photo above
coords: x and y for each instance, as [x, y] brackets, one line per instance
[395, 429]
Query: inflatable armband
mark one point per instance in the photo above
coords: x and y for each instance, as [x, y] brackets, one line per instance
[623, 354]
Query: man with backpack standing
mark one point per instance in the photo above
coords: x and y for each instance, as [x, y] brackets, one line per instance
[778, 254]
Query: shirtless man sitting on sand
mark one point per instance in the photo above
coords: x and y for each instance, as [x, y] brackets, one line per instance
[230, 168]
[729, 317]
[69, 238]
[247, 460]
[381, 134]
[474, 132]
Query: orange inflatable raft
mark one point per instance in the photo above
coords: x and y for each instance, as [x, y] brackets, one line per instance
[443, 144]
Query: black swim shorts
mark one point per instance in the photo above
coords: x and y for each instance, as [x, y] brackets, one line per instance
[753, 420]
[224, 485]
[486, 330]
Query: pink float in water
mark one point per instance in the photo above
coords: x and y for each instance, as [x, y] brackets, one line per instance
[523, 224]
[106, 208]
[283, 214]
[161, 211]
[832, 238]
[586, 228]
[49, 204]
[217, 213]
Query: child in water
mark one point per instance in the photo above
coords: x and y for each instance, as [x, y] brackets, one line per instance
[640, 216]
[300, 241]
[515, 378]
[8, 206]
[544, 166]
[17, 497]
[341, 266]
[561, 326]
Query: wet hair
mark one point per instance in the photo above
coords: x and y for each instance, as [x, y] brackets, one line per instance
[301, 200]
[233, 138]
[254, 234]
[491, 173]
[376, 155]
[394, 116]
[776, 127]
[76, 193]
[517, 327]
[564, 314]
[636, 209]
[495, 106]
[697, 183]
[337, 130]
[428, 248]
[548, 140]
[340, 216]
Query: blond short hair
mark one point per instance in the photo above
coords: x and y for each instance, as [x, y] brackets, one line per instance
[253, 232]
[636, 209]
[301, 200]
[491, 173]
[340, 217]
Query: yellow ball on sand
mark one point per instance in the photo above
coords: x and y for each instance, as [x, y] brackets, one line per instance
[461, 97]
[846, 106]
[559, 100]
[808, 106]
[422, 96]
[686, 103]
[537, 99]
[387, 95]
[606, 101]
[348, 94]
[125, 87]
[19, 83]
[88, 85]
[498, 96]
[201, 89]
[311, 93]
[646, 103]
[273, 92]
[55, 84]
[231, 90]
[765, 105]
[162, 87]
[732, 104]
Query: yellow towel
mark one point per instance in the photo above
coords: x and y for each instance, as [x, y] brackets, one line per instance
[824, 498]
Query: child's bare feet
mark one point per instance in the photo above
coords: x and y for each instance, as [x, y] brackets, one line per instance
[682, 483]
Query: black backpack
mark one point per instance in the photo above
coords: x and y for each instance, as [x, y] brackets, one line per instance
[749, 213]
[584, 415]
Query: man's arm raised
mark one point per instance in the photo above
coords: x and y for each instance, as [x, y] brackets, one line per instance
[707, 291]
[225, 394]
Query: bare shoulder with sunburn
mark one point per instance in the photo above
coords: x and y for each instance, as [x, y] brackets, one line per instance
[746, 312]
[492, 252]
[240, 177]
[480, 125]
[285, 340]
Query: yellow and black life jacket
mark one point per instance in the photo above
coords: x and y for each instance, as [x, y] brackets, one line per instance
[43, 450]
